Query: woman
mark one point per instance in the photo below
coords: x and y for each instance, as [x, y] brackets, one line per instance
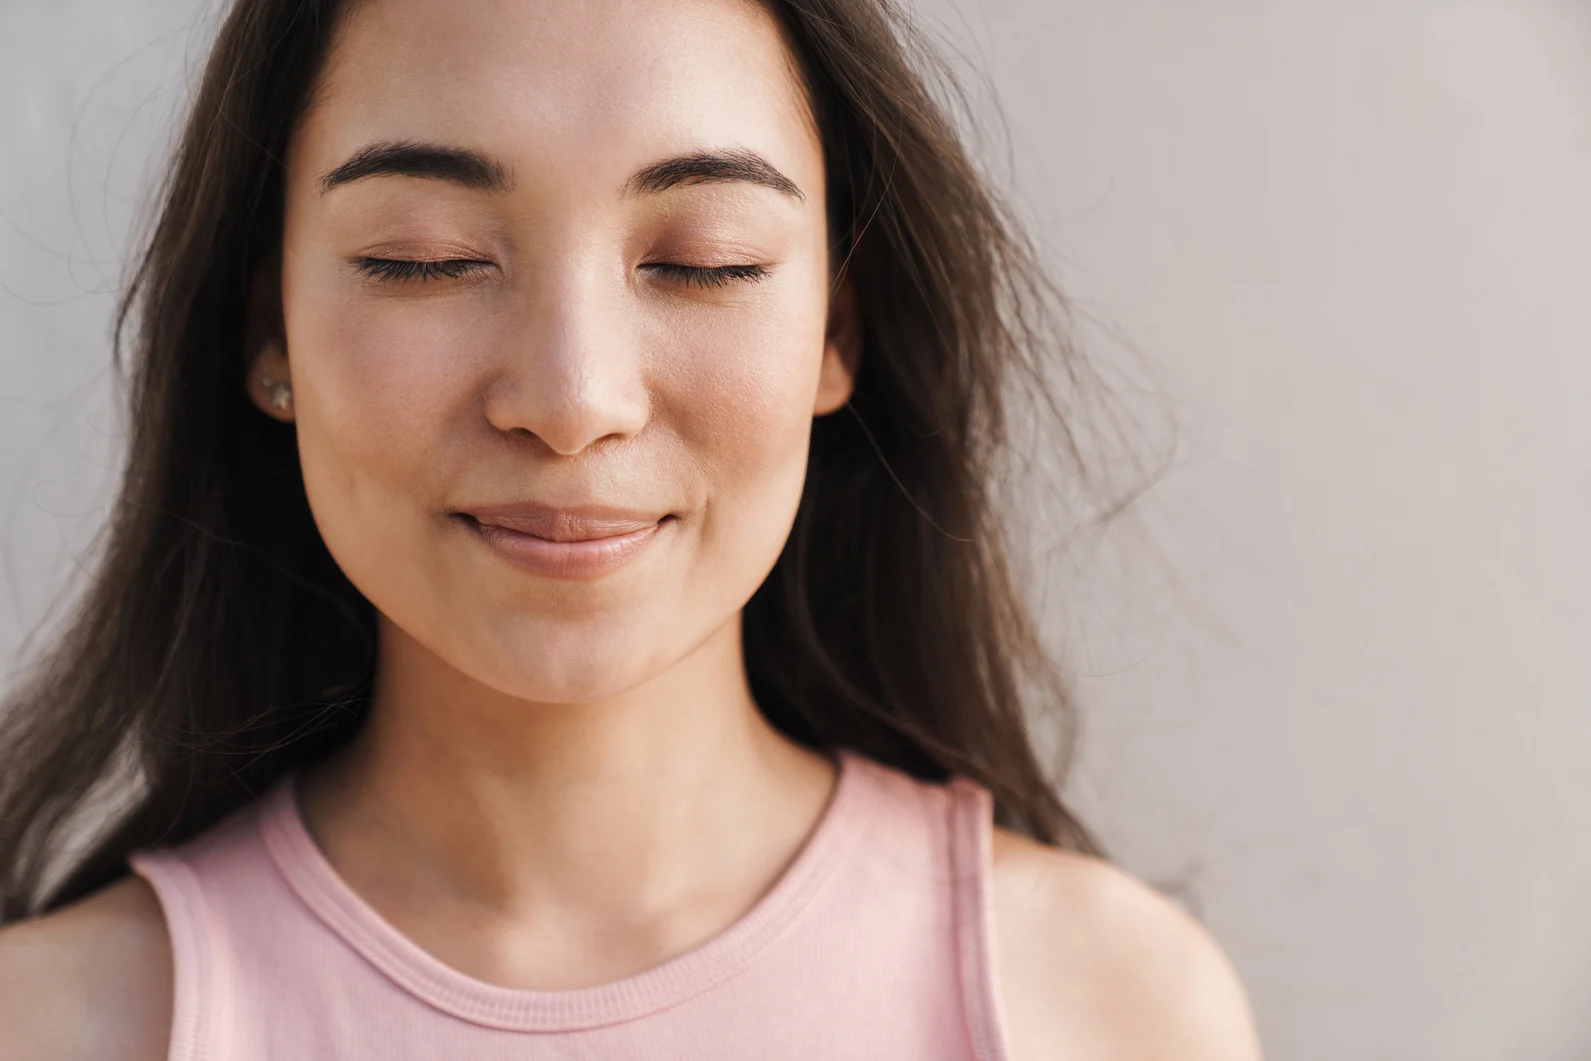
[555, 607]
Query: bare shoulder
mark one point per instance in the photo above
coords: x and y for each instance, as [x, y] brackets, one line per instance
[91, 980]
[1095, 963]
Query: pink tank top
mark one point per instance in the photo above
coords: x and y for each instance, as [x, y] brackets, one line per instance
[876, 942]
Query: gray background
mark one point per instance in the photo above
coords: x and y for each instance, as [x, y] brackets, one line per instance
[1335, 665]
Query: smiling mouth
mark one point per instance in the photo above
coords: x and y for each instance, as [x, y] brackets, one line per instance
[600, 547]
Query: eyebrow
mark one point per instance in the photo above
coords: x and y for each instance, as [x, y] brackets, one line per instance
[709, 167]
[471, 169]
[407, 158]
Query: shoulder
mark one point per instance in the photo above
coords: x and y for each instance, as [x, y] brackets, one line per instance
[1094, 963]
[91, 980]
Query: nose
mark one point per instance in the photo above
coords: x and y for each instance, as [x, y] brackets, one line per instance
[571, 373]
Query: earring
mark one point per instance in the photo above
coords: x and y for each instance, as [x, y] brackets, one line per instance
[281, 393]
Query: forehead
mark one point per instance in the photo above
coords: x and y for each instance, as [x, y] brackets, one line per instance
[572, 90]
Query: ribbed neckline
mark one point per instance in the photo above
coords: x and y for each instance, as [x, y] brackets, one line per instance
[318, 884]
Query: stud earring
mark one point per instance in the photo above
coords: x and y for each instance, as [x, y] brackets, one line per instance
[281, 393]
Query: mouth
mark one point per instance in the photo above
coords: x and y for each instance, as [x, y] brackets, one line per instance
[566, 544]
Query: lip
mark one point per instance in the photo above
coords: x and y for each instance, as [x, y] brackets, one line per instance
[576, 543]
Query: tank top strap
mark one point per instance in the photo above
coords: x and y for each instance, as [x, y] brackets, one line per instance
[199, 999]
[972, 855]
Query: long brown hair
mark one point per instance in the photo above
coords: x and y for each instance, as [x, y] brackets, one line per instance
[220, 646]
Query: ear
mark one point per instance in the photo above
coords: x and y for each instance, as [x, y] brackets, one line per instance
[265, 347]
[842, 350]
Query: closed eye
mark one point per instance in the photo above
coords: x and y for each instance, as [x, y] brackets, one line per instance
[399, 269]
[709, 276]
[402, 269]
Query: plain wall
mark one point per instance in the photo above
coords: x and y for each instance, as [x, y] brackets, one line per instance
[1346, 705]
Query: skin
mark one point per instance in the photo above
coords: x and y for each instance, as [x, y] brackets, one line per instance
[565, 783]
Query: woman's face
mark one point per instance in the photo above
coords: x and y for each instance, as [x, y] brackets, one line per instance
[577, 171]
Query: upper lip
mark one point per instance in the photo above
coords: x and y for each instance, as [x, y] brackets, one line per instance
[572, 523]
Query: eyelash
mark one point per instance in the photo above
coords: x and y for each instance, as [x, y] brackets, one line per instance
[400, 269]
[716, 276]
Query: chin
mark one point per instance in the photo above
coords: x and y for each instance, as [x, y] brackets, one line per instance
[567, 662]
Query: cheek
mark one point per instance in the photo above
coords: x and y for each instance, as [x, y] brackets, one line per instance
[740, 400]
[743, 392]
[382, 386]
[385, 382]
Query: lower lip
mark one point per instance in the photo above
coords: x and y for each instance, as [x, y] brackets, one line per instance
[579, 561]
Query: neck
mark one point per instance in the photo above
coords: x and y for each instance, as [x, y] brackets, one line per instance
[669, 809]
